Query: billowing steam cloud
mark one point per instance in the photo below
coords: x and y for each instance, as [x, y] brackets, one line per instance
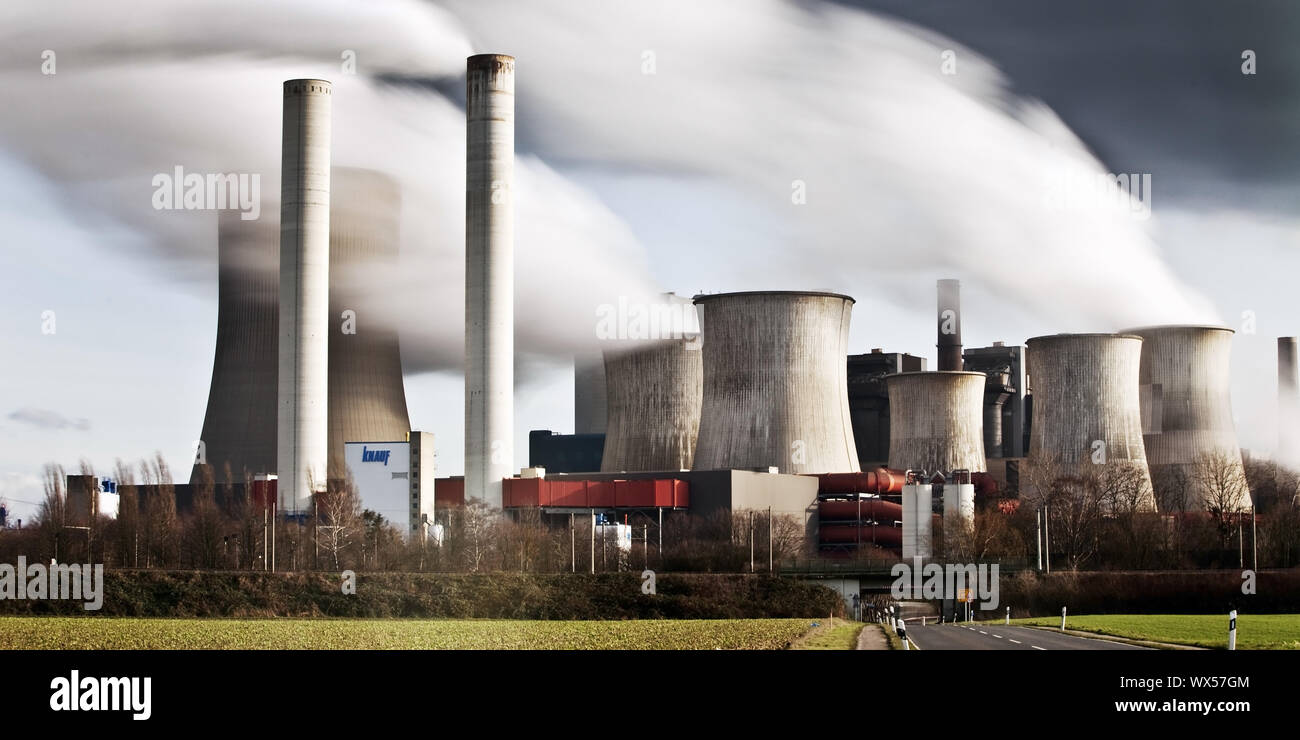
[847, 157]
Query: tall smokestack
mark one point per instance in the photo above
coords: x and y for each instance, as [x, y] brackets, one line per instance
[303, 441]
[489, 275]
[949, 325]
[1288, 401]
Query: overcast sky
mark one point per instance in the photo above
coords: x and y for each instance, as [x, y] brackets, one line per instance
[659, 145]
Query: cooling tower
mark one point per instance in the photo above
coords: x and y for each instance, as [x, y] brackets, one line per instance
[239, 428]
[936, 421]
[1086, 408]
[303, 443]
[489, 275]
[775, 382]
[366, 400]
[654, 396]
[590, 394]
[1288, 402]
[1187, 409]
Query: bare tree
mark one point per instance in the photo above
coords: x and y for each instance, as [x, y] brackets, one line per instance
[338, 520]
[1222, 483]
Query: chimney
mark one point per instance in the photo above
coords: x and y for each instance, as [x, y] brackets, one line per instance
[303, 398]
[1288, 401]
[489, 275]
[949, 325]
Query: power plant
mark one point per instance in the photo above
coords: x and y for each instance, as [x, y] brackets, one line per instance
[764, 409]
[1086, 412]
[775, 382]
[1188, 432]
[489, 275]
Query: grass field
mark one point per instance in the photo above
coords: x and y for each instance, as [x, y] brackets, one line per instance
[835, 634]
[99, 633]
[1254, 631]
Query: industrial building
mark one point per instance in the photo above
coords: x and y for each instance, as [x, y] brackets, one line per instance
[936, 421]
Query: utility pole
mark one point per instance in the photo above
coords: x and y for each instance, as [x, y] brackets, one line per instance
[769, 539]
[1254, 546]
[751, 540]
[1038, 536]
[573, 547]
[645, 544]
[1047, 537]
[661, 535]
[1241, 546]
[593, 541]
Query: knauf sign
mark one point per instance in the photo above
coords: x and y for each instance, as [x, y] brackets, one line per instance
[369, 455]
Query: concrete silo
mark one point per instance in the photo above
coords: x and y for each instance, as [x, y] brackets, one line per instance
[654, 393]
[303, 444]
[1087, 415]
[489, 275]
[775, 382]
[366, 397]
[936, 421]
[1188, 430]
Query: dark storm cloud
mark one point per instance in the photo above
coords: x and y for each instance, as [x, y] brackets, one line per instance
[1152, 85]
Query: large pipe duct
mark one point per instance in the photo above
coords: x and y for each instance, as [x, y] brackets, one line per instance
[936, 421]
[366, 397]
[654, 395]
[1288, 401]
[303, 439]
[590, 394]
[949, 325]
[489, 275]
[1087, 416]
[775, 382]
[1190, 439]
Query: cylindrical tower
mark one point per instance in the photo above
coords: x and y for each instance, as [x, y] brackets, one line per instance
[303, 448]
[489, 275]
[367, 399]
[590, 394]
[775, 382]
[239, 426]
[936, 421]
[1190, 438]
[949, 325]
[1288, 402]
[1087, 416]
[654, 391]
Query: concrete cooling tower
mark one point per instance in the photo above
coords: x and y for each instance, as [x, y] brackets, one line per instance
[1086, 408]
[654, 394]
[1187, 429]
[936, 421]
[366, 398]
[775, 382]
[590, 405]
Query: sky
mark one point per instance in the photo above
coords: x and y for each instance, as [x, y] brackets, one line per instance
[867, 148]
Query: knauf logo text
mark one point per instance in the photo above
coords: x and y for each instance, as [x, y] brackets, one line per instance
[368, 455]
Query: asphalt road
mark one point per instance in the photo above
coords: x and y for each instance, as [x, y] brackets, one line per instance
[993, 636]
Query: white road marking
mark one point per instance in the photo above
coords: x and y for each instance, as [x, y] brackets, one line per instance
[982, 632]
[998, 636]
[1016, 642]
[1036, 647]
